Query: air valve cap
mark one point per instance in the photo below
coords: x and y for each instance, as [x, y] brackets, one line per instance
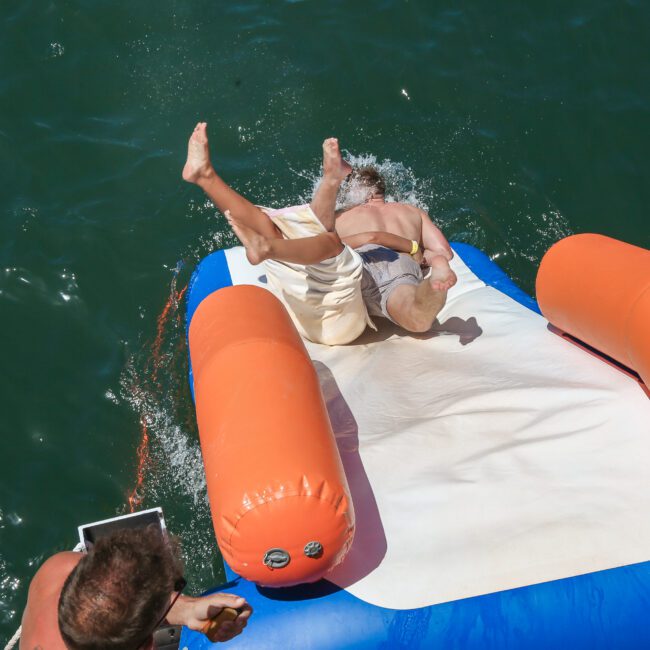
[276, 558]
[313, 549]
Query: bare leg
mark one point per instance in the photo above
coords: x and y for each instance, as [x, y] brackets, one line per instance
[415, 308]
[335, 170]
[307, 250]
[199, 170]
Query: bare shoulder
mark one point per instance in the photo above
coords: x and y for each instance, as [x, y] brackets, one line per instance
[40, 625]
[405, 211]
[63, 559]
[55, 569]
[402, 208]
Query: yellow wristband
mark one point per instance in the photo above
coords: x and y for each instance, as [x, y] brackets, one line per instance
[415, 247]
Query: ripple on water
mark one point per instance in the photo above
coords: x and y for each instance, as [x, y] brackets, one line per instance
[9, 582]
[56, 50]
[56, 288]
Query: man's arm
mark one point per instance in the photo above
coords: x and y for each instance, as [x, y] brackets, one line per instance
[386, 239]
[196, 613]
[433, 241]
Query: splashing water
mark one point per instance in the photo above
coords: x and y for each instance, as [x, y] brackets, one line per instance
[402, 185]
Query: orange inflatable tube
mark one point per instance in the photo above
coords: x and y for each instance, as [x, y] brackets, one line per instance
[280, 502]
[597, 289]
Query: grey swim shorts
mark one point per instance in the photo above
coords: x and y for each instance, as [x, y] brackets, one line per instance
[384, 270]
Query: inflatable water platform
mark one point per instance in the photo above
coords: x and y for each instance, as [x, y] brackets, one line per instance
[483, 485]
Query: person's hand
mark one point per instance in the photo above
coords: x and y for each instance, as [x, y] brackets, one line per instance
[196, 614]
[418, 257]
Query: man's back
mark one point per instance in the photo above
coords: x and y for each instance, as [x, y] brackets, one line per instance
[376, 215]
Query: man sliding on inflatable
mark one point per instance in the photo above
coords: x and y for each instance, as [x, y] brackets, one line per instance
[329, 287]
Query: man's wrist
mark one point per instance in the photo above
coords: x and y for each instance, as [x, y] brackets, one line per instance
[178, 614]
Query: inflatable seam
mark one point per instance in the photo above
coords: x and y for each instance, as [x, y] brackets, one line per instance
[334, 506]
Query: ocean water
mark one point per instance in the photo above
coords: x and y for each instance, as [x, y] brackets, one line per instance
[513, 124]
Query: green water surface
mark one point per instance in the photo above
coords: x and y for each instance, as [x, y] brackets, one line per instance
[515, 123]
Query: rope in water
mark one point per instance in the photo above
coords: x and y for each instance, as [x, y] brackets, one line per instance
[14, 639]
[155, 364]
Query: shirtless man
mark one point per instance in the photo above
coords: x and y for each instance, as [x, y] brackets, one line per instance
[392, 238]
[116, 596]
[393, 284]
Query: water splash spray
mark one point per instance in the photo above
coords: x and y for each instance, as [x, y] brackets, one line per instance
[402, 184]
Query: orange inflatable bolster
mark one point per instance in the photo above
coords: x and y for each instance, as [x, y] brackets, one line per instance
[280, 502]
[597, 289]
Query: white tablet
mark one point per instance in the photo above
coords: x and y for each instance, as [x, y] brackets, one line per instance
[90, 533]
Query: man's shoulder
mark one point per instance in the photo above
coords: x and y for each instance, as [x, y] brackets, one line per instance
[398, 205]
[40, 626]
[55, 569]
[361, 207]
[403, 209]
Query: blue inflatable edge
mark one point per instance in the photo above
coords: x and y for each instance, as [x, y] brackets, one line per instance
[604, 609]
[492, 274]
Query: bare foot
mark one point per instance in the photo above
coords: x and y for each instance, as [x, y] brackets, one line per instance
[198, 163]
[334, 167]
[256, 245]
[442, 277]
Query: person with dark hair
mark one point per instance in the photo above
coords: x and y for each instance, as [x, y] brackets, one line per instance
[117, 595]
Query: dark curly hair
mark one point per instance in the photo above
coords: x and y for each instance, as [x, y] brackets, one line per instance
[119, 590]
